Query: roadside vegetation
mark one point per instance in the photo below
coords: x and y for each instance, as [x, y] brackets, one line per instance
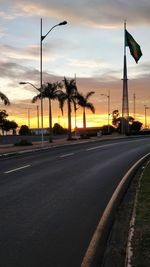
[115, 254]
[7, 125]
[141, 240]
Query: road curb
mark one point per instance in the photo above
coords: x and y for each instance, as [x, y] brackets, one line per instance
[94, 254]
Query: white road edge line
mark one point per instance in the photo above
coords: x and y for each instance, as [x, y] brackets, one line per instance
[66, 155]
[17, 169]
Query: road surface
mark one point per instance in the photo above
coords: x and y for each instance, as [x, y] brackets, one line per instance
[51, 201]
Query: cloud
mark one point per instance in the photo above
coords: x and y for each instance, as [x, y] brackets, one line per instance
[31, 52]
[2, 32]
[96, 13]
[8, 69]
[6, 16]
[93, 63]
[13, 70]
[10, 76]
[145, 68]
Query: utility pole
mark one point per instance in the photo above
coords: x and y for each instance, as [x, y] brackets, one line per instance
[146, 115]
[28, 116]
[134, 98]
[37, 108]
[108, 112]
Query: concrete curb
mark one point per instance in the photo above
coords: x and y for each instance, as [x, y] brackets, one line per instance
[95, 251]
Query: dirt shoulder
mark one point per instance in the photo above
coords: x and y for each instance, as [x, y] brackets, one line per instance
[115, 254]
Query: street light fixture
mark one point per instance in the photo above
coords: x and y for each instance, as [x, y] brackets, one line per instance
[23, 83]
[41, 71]
[108, 97]
[42, 37]
[31, 85]
[59, 24]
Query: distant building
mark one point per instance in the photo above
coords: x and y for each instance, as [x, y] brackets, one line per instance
[38, 131]
[89, 131]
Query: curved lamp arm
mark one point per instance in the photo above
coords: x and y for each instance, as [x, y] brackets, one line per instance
[60, 24]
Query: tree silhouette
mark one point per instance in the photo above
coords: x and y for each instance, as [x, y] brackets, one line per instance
[68, 96]
[51, 91]
[4, 98]
[85, 104]
[9, 125]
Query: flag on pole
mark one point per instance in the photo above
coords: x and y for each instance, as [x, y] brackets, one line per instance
[134, 47]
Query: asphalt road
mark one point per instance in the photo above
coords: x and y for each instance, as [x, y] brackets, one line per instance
[51, 201]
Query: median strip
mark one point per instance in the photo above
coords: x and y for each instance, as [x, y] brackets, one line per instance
[17, 169]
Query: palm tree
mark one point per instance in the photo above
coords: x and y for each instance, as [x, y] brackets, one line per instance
[83, 102]
[68, 96]
[52, 92]
[4, 99]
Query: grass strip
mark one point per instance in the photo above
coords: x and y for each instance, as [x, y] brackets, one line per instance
[141, 239]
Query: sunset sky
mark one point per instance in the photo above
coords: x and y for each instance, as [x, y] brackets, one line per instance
[90, 46]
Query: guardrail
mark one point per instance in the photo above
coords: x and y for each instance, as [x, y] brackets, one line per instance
[95, 251]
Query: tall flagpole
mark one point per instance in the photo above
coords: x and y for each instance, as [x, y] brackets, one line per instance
[125, 104]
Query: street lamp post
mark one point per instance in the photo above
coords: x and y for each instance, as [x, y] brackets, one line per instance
[134, 98]
[29, 117]
[75, 109]
[28, 109]
[108, 97]
[146, 115]
[37, 109]
[42, 37]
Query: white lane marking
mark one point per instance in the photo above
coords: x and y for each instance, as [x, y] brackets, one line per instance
[96, 147]
[17, 169]
[117, 143]
[67, 155]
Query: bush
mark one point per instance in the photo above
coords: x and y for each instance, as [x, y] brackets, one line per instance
[23, 142]
[24, 130]
[58, 129]
[86, 135]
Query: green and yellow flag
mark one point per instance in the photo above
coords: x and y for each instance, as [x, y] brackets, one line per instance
[134, 47]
